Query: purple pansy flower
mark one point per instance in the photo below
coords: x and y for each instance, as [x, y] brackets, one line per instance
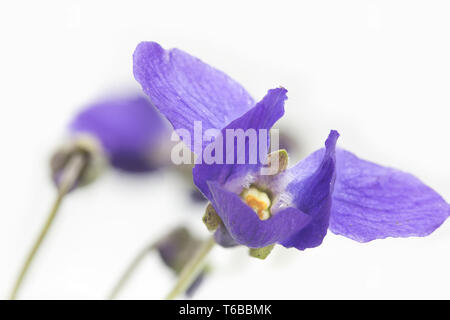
[330, 189]
[129, 129]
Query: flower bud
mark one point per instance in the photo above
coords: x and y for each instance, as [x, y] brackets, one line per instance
[93, 156]
[176, 249]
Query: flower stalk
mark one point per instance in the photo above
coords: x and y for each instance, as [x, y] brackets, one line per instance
[192, 269]
[71, 174]
[130, 270]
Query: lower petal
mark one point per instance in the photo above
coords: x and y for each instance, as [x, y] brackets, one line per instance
[374, 202]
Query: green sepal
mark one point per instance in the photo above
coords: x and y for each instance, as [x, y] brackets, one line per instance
[261, 253]
[211, 219]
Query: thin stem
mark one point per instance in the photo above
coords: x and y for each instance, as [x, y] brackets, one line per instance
[69, 178]
[192, 269]
[131, 268]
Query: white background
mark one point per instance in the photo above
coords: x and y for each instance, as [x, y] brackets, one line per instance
[377, 71]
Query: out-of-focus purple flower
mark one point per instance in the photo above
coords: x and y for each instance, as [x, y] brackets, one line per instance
[131, 132]
[176, 249]
[288, 142]
[329, 189]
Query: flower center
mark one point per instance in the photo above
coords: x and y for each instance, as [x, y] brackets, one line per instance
[258, 200]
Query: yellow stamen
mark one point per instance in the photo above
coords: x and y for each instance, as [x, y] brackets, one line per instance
[257, 200]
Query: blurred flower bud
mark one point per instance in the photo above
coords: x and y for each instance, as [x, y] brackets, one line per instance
[176, 249]
[87, 147]
[288, 140]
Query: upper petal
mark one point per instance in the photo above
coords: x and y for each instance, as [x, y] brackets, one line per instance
[244, 225]
[311, 191]
[373, 202]
[262, 116]
[185, 89]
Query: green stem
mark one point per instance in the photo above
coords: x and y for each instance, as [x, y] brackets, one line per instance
[129, 271]
[69, 178]
[192, 269]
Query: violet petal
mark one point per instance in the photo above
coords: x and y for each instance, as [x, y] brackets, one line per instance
[312, 194]
[262, 116]
[185, 89]
[374, 202]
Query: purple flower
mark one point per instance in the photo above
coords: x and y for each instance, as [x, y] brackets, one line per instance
[129, 129]
[330, 189]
